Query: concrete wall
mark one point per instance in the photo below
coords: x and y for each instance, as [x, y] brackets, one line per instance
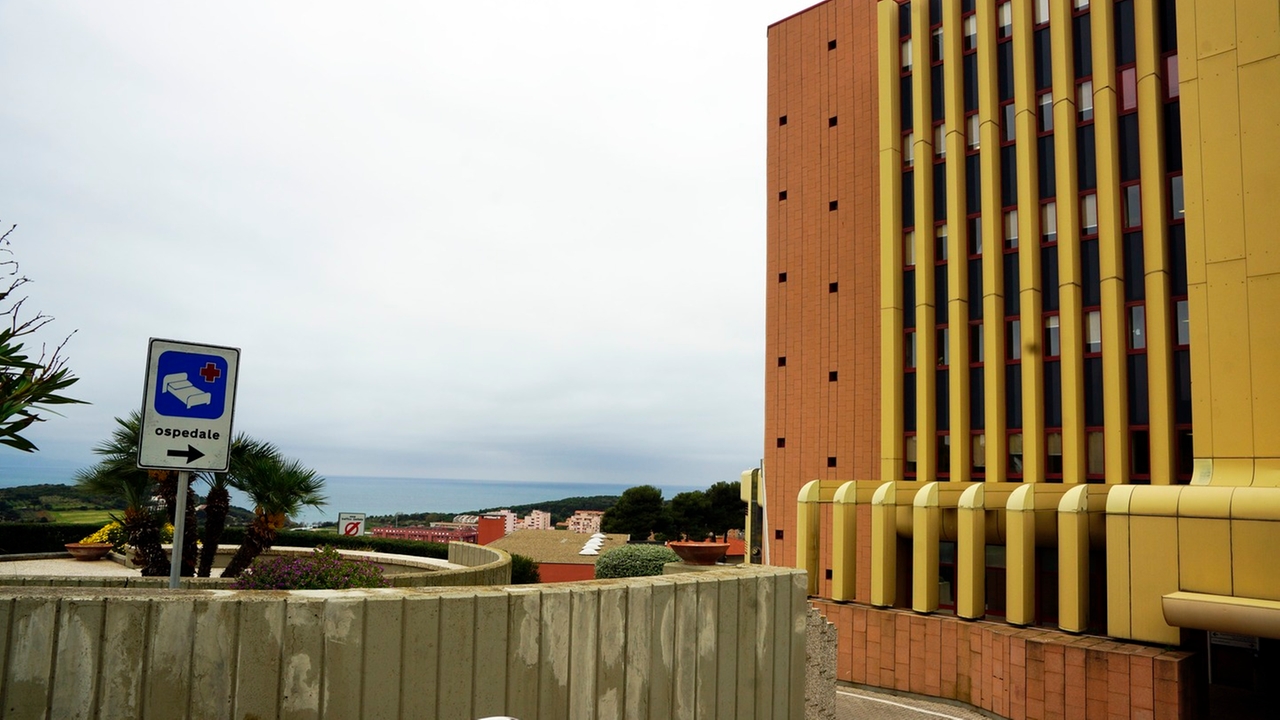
[727, 643]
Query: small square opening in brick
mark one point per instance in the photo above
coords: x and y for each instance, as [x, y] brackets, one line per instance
[782, 442]
[831, 462]
[782, 120]
[782, 361]
[833, 376]
[782, 277]
[828, 573]
[833, 287]
[833, 121]
[777, 534]
[831, 44]
[833, 205]
[782, 194]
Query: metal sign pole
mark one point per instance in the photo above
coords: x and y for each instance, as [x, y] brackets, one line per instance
[179, 530]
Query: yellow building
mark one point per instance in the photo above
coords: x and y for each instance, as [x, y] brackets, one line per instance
[1079, 378]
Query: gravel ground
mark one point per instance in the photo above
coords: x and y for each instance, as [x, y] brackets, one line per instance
[855, 703]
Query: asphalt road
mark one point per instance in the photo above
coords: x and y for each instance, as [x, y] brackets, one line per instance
[854, 703]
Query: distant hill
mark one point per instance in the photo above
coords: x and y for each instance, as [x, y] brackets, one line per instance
[69, 503]
[559, 509]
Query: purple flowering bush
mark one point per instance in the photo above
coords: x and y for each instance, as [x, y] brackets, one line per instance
[324, 569]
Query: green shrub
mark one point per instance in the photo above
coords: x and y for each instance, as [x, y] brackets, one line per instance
[306, 538]
[324, 569]
[524, 571]
[634, 561]
[21, 538]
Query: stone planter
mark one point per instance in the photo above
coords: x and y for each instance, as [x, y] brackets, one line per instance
[88, 551]
[699, 553]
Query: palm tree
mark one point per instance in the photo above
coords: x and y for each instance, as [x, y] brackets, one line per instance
[246, 452]
[279, 490]
[118, 474]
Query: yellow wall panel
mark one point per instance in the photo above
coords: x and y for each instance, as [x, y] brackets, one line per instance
[1258, 25]
[1220, 158]
[1203, 546]
[1253, 558]
[1201, 370]
[1228, 319]
[1192, 183]
[1215, 27]
[1118, 592]
[1264, 347]
[1155, 571]
[1260, 140]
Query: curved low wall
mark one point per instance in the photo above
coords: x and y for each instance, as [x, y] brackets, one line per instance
[724, 643]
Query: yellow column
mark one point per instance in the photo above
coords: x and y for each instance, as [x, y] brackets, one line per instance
[926, 303]
[971, 553]
[1073, 560]
[1020, 556]
[884, 545]
[844, 542]
[1028, 245]
[957, 247]
[1071, 322]
[748, 491]
[891, 340]
[1110, 248]
[808, 532]
[926, 524]
[992, 256]
[1119, 623]
[1155, 243]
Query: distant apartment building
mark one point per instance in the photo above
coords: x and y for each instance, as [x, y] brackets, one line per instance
[585, 521]
[535, 520]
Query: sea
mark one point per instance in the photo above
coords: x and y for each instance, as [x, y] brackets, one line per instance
[390, 495]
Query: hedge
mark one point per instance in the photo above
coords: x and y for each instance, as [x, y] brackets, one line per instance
[21, 538]
[634, 561]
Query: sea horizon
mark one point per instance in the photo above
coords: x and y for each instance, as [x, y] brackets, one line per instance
[404, 495]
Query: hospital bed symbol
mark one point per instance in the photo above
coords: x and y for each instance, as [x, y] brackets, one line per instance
[180, 387]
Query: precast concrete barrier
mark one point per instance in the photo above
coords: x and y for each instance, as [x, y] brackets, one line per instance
[724, 643]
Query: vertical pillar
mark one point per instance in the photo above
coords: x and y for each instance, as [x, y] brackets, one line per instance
[926, 524]
[993, 255]
[891, 341]
[1073, 560]
[1020, 556]
[971, 553]
[808, 532]
[884, 545]
[844, 542]
[926, 303]
[957, 302]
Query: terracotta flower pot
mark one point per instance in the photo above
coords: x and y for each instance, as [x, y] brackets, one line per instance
[88, 551]
[699, 553]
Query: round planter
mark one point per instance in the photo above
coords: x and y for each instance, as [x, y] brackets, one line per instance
[88, 551]
[699, 553]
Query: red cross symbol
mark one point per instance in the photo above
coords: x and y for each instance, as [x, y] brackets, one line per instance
[210, 372]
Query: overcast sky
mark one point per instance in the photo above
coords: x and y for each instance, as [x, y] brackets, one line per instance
[492, 240]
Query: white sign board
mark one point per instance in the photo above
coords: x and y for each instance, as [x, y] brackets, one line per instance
[351, 524]
[187, 406]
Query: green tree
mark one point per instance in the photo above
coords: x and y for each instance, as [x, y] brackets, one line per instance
[690, 512]
[117, 474]
[279, 489]
[28, 388]
[246, 453]
[639, 512]
[726, 511]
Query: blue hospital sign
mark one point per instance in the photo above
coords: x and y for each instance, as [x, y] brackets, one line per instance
[188, 403]
[191, 385]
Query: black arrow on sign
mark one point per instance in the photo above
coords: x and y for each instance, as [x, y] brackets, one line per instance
[191, 454]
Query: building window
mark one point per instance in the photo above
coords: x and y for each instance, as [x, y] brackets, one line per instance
[1042, 12]
[833, 205]
[833, 121]
[906, 55]
[909, 452]
[940, 140]
[935, 46]
[1049, 222]
[1183, 320]
[1052, 342]
[1011, 229]
[1045, 101]
[782, 442]
[782, 277]
[1089, 214]
[1137, 327]
[833, 287]
[909, 350]
[1084, 100]
[944, 347]
[979, 453]
[1081, 4]
[909, 248]
[970, 33]
[1008, 124]
[1177, 204]
[831, 462]
[782, 361]
[977, 343]
[1095, 453]
[972, 134]
[1128, 90]
[1015, 453]
[1004, 19]
[1132, 198]
[940, 243]
[782, 195]
[831, 44]
[909, 149]
[1013, 341]
[975, 238]
[1093, 331]
[1053, 453]
[833, 376]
